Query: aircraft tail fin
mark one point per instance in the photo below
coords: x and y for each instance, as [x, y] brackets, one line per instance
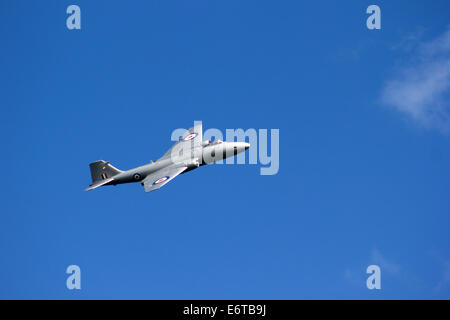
[102, 170]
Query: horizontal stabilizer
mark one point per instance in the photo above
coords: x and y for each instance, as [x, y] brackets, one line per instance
[99, 184]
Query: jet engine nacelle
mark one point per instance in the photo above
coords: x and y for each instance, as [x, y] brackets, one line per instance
[192, 163]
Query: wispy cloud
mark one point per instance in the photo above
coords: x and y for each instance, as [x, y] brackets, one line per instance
[358, 276]
[355, 277]
[385, 264]
[410, 40]
[421, 89]
[445, 280]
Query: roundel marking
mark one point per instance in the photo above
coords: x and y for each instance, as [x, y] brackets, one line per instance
[161, 180]
[136, 176]
[190, 136]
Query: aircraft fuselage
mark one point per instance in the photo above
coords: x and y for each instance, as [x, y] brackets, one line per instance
[207, 154]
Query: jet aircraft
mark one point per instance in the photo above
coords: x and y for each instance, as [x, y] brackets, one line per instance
[188, 153]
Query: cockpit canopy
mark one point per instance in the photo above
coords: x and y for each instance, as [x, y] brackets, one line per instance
[211, 143]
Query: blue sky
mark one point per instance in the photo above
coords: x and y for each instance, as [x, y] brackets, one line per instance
[364, 149]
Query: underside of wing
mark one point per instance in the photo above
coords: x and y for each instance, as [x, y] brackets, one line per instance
[190, 141]
[159, 178]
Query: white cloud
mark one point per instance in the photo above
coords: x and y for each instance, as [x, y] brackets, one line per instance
[385, 265]
[357, 275]
[421, 89]
[445, 281]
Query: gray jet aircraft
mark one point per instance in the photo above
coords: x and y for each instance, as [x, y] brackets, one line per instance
[189, 153]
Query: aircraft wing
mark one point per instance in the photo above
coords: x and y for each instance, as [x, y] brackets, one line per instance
[159, 178]
[190, 141]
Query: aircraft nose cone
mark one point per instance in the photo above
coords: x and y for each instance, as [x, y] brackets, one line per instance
[247, 145]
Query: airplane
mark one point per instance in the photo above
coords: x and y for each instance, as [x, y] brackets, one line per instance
[188, 153]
